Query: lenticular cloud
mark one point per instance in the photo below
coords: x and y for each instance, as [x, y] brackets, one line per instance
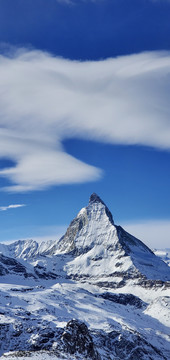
[44, 99]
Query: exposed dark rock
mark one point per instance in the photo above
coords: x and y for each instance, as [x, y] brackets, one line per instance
[10, 265]
[124, 299]
[3, 270]
[67, 241]
[95, 198]
[151, 284]
[125, 345]
[42, 274]
[77, 339]
[76, 342]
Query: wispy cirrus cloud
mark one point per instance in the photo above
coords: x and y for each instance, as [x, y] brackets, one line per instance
[45, 99]
[13, 206]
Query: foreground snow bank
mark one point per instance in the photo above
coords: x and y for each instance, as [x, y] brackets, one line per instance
[38, 355]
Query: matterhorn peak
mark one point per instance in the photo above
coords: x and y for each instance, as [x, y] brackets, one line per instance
[102, 249]
[85, 230]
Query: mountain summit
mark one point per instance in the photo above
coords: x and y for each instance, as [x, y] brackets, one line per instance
[95, 198]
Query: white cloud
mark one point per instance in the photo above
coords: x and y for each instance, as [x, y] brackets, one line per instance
[154, 233]
[44, 99]
[14, 206]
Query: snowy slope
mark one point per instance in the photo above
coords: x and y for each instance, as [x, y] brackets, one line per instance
[32, 317]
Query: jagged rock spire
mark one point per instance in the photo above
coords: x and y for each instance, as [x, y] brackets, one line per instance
[95, 198]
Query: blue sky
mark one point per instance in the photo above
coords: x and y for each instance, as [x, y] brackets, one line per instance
[84, 108]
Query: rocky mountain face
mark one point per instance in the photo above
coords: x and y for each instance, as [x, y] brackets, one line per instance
[97, 293]
[105, 251]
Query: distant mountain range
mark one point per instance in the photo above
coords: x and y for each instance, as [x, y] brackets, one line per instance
[97, 293]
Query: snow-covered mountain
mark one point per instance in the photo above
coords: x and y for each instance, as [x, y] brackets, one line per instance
[97, 293]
